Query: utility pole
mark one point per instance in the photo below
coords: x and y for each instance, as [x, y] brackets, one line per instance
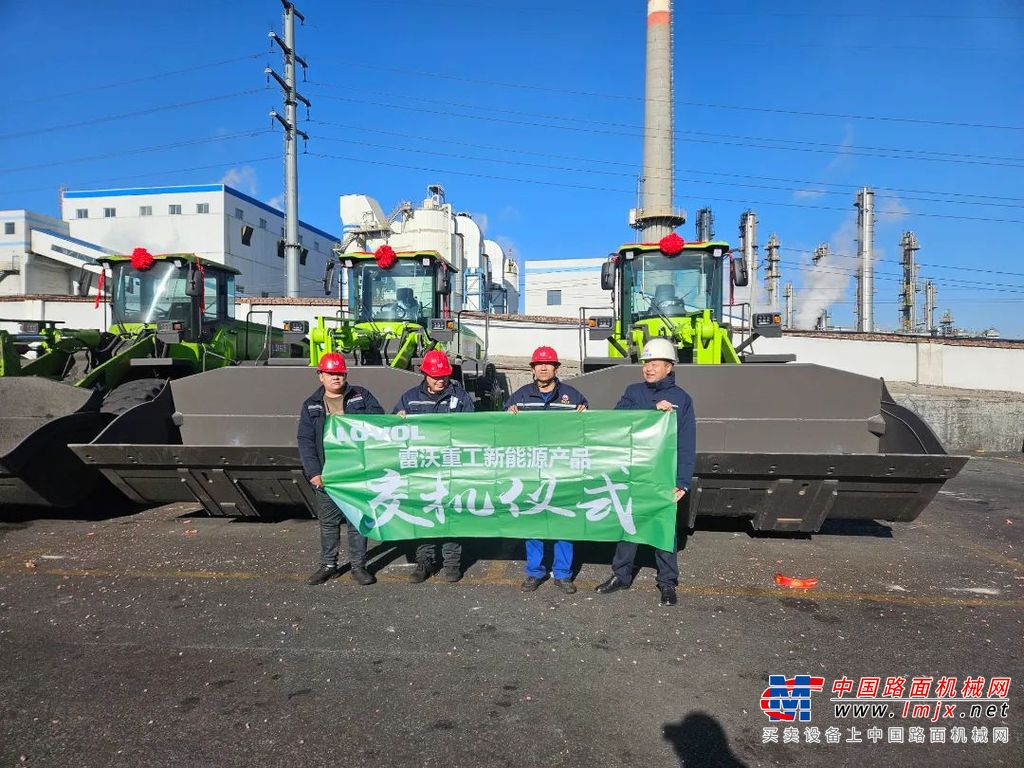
[908, 295]
[865, 204]
[787, 293]
[771, 277]
[705, 226]
[292, 247]
[929, 306]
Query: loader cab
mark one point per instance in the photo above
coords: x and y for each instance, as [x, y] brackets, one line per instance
[174, 294]
[413, 290]
[651, 284]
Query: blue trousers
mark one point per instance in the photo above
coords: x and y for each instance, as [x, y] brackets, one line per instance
[562, 566]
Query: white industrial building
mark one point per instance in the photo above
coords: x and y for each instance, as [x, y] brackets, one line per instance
[560, 287]
[487, 278]
[39, 256]
[215, 221]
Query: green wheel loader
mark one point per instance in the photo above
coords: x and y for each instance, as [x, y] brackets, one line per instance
[788, 445]
[172, 316]
[227, 438]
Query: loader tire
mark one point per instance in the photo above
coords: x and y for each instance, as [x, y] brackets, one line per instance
[130, 394]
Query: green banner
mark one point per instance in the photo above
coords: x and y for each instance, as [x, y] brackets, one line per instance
[591, 476]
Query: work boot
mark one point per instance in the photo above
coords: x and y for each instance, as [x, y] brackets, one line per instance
[451, 573]
[322, 574]
[361, 576]
[611, 585]
[565, 585]
[668, 595]
[421, 573]
[530, 584]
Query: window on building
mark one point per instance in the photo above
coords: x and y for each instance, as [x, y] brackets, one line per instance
[554, 298]
[174, 210]
[202, 207]
[82, 213]
[263, 223]
[239, 213]
[316, 245]
[109, 213]
[145, 210]
[300, 238]
[8, 227]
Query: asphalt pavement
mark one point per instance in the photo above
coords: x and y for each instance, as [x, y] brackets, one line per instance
[164, 638]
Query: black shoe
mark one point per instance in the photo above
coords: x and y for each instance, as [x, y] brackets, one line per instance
[324, 573]
[361, 576]
[612, 585]
[565, 585]
[451, 573]
[419, 575]
[668, 595]
[530, 584]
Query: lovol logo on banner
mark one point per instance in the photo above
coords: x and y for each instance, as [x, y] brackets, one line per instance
[789, 698]
[362, 433]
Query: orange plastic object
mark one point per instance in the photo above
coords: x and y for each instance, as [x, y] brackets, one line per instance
[792, 583]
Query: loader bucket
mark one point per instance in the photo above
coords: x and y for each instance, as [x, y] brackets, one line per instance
[38, 418]
[225, 438]
[791, 445]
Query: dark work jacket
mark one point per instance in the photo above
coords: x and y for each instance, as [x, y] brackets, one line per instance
[454, 399]
[310, 439]
[644, 396]
[530, 398]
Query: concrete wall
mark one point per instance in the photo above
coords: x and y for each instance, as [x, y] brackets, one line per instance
[578, 280]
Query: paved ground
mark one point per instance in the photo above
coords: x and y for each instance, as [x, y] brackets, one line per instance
[162, 639]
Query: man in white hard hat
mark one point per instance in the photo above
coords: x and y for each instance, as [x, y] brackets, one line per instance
[659, 392]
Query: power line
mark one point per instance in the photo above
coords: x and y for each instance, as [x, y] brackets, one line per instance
[144, 79]
[700, 104]
[804, 206]
[687, 136]
[139, 150]
[126, 115]
[681, 178]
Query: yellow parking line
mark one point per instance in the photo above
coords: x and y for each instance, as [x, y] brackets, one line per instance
[495, 576]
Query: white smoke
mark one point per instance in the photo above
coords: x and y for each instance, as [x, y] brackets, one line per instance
[828, 281]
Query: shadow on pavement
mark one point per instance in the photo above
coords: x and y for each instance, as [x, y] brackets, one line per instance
[699, 741]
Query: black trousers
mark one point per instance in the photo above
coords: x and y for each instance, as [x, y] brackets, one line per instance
[668, 566]
[331, 519]
[451, 552]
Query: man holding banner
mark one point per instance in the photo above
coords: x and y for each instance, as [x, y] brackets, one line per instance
[334, 397]
[660, 392]
[547, 395]
[436, 394]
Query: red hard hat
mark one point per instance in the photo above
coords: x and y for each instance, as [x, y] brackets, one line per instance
[544, 355]
[435, 364]
[332, 362]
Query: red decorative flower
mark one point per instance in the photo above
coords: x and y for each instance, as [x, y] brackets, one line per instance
[142, 259]
[671, 244]
[385, 257]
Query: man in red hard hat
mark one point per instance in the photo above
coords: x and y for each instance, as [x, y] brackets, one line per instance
[547, 394]
[334, 397]
[436, 394]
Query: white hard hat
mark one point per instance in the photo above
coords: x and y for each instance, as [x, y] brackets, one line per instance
[659, 348]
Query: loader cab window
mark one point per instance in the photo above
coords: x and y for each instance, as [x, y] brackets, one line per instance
[404, 293]
[656, 285]
[156, 295]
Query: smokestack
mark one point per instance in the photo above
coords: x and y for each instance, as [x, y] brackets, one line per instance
[705, 226]
[771, 277]
[748, 245]
[657, 217]
[866, 253]
[908, 296]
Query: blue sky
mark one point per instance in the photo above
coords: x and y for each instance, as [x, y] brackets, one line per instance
[529, 113]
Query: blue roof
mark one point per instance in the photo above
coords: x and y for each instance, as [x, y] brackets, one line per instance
[79, 193]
